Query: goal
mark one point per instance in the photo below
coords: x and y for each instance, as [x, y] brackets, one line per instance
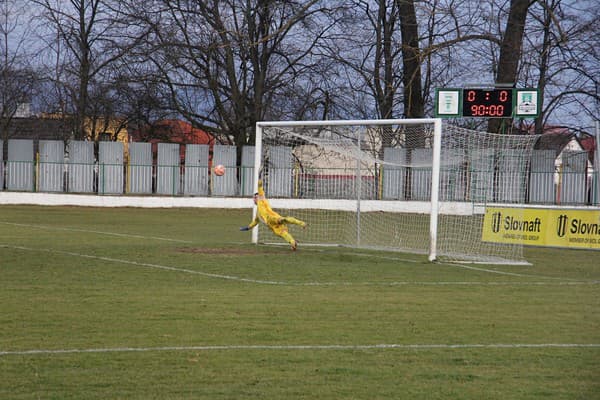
[412, 185]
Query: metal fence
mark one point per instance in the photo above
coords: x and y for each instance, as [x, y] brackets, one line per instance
[109, 168]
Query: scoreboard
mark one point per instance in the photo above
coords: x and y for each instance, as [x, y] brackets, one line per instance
[486, 103]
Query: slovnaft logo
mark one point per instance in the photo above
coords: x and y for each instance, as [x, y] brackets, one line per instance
[578, 230]
[562, 225]
[496, 222]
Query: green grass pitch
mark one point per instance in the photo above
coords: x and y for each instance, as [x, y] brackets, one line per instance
[133, 303]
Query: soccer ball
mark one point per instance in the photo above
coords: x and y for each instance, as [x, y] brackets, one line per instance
[219, 170]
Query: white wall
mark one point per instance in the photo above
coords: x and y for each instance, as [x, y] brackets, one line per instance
[51, 199]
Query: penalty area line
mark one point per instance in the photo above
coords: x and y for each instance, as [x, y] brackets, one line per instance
[304, 347]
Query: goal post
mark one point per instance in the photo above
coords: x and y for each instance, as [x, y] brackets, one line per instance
[413, 185]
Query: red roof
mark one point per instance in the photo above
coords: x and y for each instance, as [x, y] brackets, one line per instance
[172, 131]
[589, 144]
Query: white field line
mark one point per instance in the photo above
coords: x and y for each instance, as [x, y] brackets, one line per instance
[55, 228]
[306, 347]
[287, 283]
[140, 264]
[493, 271]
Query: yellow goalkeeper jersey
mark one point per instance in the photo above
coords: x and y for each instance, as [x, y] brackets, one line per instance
[264, 210]
[273, 220]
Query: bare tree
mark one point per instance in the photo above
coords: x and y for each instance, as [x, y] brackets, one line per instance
[369, 47]
[226, 64]
[88, 38]
[562, 61]
[18, 80]
[392, 42]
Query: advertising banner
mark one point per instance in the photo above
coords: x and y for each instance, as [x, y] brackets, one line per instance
[542, 227]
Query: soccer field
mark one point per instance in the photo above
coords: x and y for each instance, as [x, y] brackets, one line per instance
[105, 303]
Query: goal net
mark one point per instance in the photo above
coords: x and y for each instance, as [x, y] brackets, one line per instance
[417, 185]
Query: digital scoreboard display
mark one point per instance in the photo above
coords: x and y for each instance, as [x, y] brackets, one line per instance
[496, 103]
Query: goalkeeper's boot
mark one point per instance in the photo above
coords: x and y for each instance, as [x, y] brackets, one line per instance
[294, 245]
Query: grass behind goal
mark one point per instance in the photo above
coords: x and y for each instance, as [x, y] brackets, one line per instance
[177, 304]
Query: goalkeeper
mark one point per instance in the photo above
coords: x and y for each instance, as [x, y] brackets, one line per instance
[272, 219]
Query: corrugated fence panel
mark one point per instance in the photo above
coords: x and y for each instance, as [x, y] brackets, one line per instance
[280, 171]
[19, 166]
[541, 179]
[140, 168]
[511, 178]
[225, 185]
[1, 164]
[247, 172]
[196, 169]
[573, 177]
[167, 169]
[595, 177]
[394, 176]
[51, 166]
[81, 166]
[452, 175]
[421, 176]
[481, 176]
[110, 168]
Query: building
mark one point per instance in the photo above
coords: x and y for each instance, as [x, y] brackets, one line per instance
[172, 131]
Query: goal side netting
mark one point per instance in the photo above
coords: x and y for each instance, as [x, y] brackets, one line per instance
[416, 186]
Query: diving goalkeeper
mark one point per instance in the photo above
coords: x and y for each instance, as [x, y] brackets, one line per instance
[272, 219]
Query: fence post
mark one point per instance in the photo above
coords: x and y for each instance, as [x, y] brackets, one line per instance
[596, 200]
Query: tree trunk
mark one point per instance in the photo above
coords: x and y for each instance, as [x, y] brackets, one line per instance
[384, 61]
[411, 59]
[510, 54]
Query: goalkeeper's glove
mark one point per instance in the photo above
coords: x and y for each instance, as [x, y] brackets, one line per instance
[244, 228]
